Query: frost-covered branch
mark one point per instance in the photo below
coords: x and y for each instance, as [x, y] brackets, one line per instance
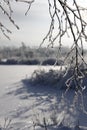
[67, 19]
[6, 9]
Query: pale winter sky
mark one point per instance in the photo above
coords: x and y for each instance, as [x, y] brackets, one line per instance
[33, 27]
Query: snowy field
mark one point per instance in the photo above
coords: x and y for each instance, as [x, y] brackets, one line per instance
[24, 104]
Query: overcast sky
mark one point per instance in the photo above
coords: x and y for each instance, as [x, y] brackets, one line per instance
[33, 27]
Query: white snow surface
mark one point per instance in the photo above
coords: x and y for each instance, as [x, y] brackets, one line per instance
[24, 104]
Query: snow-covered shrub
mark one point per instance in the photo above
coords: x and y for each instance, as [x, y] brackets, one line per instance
[64, 78]
[47, 78]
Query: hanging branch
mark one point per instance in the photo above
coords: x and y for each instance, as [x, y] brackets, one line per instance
[27, 2]
[69, 20]
[8, 14]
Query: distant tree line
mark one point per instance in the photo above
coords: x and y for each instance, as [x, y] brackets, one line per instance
[32, 56]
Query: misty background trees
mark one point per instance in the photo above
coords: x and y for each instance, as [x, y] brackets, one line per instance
[31, 55]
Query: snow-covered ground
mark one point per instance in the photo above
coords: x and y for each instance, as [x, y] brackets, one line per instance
[24, 104]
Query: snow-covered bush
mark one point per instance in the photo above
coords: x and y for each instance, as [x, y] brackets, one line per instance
[47, 78]
[62, 78]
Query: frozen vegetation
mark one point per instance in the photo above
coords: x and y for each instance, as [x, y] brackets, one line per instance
[35, 98]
